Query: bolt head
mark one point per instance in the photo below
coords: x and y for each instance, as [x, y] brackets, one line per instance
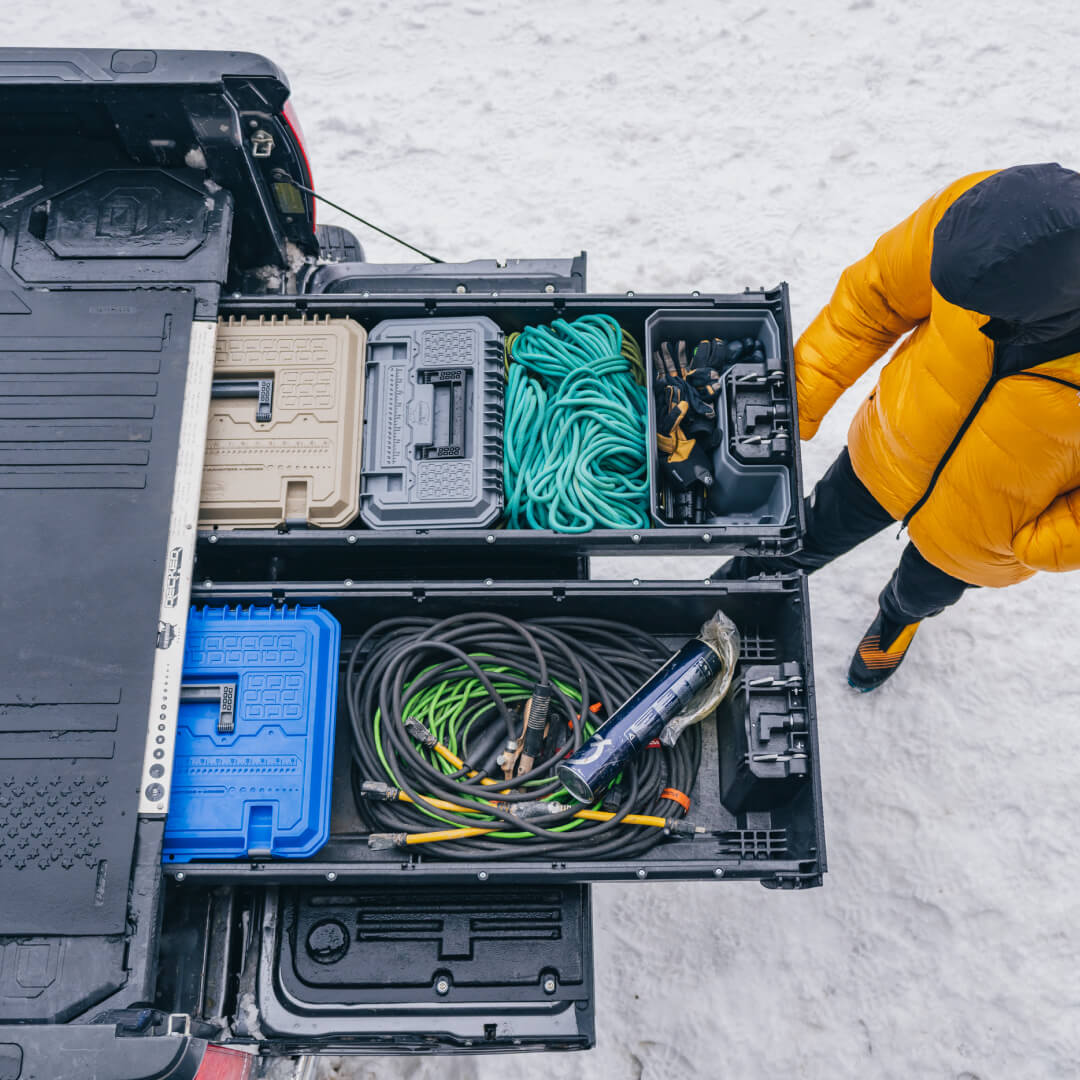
[483, 875]
[331, 876]
[443, 986]
[641, 873]
[549, 985]
[718, 872]
[461, 289]
[489, 581]
[636, 538]
[706, 537]
[212, 538]
[549, 288]
[348, 581]
[490, 538]
[352, 539]
[181, 876]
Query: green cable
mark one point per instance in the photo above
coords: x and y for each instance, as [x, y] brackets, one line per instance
[442, 706]
[575, 444]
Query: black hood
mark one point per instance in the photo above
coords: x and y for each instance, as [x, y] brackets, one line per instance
[1010, 248]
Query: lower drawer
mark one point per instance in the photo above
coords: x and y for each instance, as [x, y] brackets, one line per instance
[766, 826]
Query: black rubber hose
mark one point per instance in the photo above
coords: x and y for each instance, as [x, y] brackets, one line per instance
[604, 662]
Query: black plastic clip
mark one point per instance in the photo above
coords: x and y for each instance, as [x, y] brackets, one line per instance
[221, 694]
[262, 389]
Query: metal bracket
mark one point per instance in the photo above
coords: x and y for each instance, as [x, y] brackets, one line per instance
[178, 1024]
[262, 143]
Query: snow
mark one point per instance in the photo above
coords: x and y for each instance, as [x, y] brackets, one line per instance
[709, 144]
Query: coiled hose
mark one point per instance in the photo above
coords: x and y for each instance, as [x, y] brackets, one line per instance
[575, 439]
[432, 703]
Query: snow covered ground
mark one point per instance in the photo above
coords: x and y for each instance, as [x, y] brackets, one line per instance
[711, 144]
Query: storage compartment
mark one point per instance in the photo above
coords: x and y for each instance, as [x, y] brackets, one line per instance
[254, 744]
[754, 465]
[757, 466]
[433, 413]
[283, 437]
[764, 737]
[777, 840]
[334, 968]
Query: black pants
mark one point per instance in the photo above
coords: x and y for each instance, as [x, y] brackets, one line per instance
[841, 514]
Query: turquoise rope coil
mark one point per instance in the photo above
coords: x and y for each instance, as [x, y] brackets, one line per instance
[575, 444]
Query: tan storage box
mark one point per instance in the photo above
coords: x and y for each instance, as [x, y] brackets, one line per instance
[283, 443]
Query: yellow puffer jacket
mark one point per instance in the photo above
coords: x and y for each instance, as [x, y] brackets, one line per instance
[974, 440]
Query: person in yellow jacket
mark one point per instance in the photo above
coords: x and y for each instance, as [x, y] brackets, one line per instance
[971, 437]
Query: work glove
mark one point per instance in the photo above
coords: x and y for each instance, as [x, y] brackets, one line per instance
[685, 417]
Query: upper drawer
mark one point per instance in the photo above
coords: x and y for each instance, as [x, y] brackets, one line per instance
[754, 505]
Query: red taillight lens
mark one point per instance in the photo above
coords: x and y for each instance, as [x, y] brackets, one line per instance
[292, 122]
[223, 1063]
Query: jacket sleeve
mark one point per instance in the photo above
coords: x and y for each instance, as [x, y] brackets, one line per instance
[878, 300]
[1052, 540]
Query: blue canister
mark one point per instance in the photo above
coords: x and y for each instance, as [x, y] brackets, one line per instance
[639, 720]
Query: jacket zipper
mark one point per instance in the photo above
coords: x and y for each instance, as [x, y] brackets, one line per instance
[979, 402]
[995, 378]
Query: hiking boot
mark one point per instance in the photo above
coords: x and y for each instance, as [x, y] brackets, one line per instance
[880, 653]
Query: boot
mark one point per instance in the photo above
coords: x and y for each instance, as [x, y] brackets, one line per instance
[880, 653]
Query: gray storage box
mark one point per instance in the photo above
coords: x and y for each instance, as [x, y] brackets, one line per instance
[755, 484]
[433, 421]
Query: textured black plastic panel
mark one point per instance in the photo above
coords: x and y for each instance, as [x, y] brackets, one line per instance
[356, 946]
[91, 391]
[92, 228]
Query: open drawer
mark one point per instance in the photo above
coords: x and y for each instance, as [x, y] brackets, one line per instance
[757, 460]
[774, 835]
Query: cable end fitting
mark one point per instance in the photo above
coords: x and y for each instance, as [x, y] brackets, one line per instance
[380, 841]
[679, 827]
[526, 811]
[419, 732]
[376, 789]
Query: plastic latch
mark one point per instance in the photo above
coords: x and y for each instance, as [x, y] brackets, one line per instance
[221, 694]
[447, 389]
[262, 389]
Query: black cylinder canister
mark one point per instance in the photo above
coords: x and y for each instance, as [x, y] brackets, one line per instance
[639, 720]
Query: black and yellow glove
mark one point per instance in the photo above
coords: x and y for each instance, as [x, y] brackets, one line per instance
[685, 418]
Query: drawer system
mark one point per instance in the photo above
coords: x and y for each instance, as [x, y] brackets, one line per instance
[298, 620]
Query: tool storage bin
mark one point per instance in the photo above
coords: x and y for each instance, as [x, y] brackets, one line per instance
[255, 736]
[432, 447]
[754, 464]
[283, 438]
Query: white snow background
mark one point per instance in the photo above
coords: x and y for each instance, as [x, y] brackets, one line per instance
[713, 145]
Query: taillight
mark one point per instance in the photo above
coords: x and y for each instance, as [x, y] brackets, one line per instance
[292, 122]
[224, 1063]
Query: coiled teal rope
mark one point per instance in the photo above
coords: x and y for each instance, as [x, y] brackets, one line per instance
[574, 444]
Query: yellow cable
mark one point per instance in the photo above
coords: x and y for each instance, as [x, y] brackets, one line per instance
[587, 815]
[447, 834]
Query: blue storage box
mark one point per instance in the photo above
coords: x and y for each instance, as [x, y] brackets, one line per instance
[255, 739]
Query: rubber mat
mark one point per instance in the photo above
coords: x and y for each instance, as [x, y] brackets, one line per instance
[91, 393]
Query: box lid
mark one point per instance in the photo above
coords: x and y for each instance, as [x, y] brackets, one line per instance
[254, 743]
